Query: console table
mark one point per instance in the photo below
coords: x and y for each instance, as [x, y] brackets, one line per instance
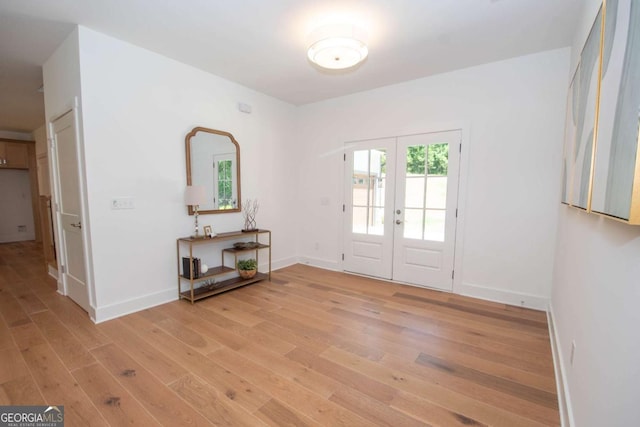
[185, 248]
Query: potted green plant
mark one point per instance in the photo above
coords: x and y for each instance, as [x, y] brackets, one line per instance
[247, 268]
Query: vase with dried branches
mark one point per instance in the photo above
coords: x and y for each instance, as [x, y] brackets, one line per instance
[249, 211]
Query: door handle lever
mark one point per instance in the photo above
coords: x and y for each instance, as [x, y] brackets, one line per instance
[398, 222]
[78, 225]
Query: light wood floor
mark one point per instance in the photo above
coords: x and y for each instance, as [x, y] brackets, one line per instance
[310, 348]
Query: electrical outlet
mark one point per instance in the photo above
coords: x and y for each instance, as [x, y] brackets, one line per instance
[573, 352]
[122, 203]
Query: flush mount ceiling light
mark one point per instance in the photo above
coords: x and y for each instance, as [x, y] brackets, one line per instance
[337, 46]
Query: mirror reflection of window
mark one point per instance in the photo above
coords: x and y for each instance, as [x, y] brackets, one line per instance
[224, 181]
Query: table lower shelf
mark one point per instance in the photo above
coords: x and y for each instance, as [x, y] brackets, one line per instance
[225, 285]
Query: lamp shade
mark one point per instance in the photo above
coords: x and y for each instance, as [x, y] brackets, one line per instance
[195, 195]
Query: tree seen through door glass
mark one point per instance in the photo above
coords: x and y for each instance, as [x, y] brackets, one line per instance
[426, 191]
[368, 191]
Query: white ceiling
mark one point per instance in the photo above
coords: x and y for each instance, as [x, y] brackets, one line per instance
[261, 44]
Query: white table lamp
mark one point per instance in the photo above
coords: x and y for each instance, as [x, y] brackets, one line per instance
[194, 196]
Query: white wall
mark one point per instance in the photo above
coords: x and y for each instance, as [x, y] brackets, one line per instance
[61, 77]
[137, 108]
[595, 300]
[15, 206]
[512, 118]
[24, 136]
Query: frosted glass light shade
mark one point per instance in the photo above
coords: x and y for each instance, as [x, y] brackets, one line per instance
[337, 47]
[195, 195]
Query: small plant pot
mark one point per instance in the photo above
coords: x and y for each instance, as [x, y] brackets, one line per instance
[247, 274]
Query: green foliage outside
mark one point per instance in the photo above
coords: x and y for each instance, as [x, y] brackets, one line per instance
[224, 185]
[437, 159]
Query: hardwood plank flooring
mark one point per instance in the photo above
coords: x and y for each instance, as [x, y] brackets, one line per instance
[311, 347]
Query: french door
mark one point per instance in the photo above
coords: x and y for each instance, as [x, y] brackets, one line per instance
[400, 208]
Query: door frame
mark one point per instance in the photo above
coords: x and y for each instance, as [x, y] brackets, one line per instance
[74, 108]
[464, 128]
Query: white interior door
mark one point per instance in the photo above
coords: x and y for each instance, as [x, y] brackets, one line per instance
[425, 215]
[69, 209]
[400, 208]
[368, 238]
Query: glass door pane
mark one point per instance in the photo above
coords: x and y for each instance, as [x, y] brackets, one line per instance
[426, 191]
[368, 191]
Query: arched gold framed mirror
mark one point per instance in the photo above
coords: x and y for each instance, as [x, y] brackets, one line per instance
[213, 161]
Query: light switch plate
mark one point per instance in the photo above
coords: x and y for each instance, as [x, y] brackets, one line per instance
[122, 203]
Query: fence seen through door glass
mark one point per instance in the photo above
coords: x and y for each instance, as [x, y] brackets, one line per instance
[368, 187]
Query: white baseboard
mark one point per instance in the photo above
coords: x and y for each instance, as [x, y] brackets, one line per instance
[564, 400]
[92, 313]
[123, 308]
[491, 294]
[17, 237]
[500, 295]
[320, 263]
[53, 272]
[112, 311]
[281, 263]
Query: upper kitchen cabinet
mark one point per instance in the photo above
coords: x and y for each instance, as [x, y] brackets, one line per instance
[13, 155]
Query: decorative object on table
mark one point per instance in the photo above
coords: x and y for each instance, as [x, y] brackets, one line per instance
[247, 268]
[208, 284]
[194, 196]
[195, 267]
[246, 245]
[249, 211]
[203, 269]
[208, 231]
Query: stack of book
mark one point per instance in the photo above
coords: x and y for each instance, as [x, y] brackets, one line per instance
[195, 268]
